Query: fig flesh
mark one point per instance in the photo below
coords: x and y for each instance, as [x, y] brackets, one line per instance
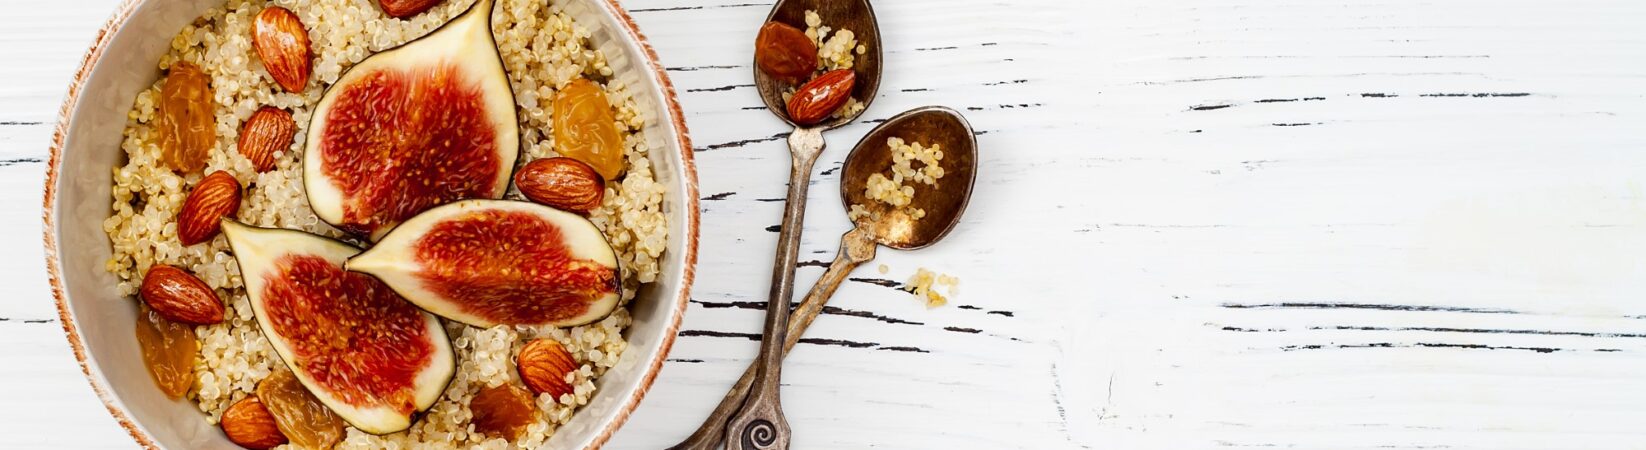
[499, 262]
[362, 350]
[406, 129]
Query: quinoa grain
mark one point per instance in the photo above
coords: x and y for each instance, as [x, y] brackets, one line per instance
[543, 50]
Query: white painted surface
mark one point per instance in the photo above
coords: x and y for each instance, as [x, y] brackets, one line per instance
[1444, 249]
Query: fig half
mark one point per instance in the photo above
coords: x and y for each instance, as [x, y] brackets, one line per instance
[492, 262]
[365, 352]
[423, 124]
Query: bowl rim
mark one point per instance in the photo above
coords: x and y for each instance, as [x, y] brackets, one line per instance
[669, 100]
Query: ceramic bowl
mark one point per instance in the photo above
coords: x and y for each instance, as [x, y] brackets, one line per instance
[99, 321]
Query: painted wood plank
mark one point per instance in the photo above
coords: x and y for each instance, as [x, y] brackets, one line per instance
[1350, 224]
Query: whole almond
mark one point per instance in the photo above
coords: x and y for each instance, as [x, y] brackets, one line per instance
[817, 98]
[563, 183]
[215, 197]
[269, 130]
[249, 424]
[401, 9]
[283, 44]
[543, 365]
[180, 297]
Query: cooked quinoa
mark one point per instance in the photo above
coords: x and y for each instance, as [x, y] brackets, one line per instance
[834, 51]
[896, 190]
[542, 49]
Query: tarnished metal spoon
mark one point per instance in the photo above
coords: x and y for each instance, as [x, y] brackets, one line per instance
[892, 228]
[760, 424]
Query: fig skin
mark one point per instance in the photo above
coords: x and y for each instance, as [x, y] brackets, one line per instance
[346, 142]
[261, 251]
[449, 263]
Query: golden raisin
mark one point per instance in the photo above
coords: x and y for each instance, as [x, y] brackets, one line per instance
[503, 411]
[297, 413]
[585, 128]
[186, 123]
[785, 52]
[169, 349]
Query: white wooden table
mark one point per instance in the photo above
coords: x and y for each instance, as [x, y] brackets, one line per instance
[1199, 223]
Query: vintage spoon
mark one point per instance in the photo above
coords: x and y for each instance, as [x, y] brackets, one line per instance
[896, 229]
[760, 424]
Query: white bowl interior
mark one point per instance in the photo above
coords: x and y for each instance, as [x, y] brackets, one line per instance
[104, 320]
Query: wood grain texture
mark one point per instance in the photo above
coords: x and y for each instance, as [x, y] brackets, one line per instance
[1197, 224]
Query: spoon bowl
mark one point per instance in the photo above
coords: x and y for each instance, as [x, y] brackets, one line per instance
[854, 15]
[943, 203]
[760, 423]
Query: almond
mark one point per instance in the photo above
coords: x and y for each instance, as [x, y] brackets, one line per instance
[268, 131]
[401, 9]
[180, 297]
[817, 98]
[563, 183]
[249, 424]
[283, 44]
[543, 365]
[215, 197]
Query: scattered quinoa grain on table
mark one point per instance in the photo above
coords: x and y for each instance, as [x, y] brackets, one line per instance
[922, 283]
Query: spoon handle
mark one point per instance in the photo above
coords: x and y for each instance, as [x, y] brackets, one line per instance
[760, 424]
[856, 248]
